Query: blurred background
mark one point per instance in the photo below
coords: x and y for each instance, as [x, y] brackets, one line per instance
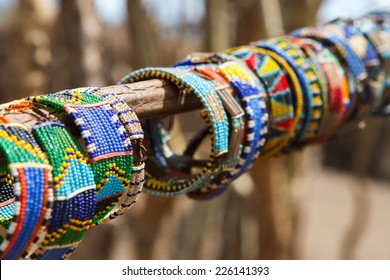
[326, 202]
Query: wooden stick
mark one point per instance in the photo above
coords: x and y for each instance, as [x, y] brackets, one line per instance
[149, 99]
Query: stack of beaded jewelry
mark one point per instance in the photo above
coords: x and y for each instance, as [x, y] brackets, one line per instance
[280, 98]
[188, 83]
[74, 192]
[27, 212]
[106, 140]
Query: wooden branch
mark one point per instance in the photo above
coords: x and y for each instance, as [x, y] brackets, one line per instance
[149, 99]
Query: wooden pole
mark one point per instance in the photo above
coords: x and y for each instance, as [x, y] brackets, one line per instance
[149, 99]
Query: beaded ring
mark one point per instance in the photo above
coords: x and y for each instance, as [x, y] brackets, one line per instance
[312, 113]
[74, 192]
[136, 135]
[27, 210]
[253, 99]
[280, 98]
[175, 183]
[106, 140]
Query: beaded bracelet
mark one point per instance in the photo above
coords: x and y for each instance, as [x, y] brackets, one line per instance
[236, 131]
[354, 64]
[235, 113]
[320, 94]
[106, 140]
[253, 99]
[188, 83]
[373, 90]
[25, 214]
[295, 87]
[136, 135]
[313, 109]
[337, 96]
[375, 27]
[280, 97]
[74, 192]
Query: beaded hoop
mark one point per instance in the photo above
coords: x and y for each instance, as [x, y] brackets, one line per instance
[28, 212]
[74, 192]
[136, 135]
[187, 83]
[106, 140]
[280, 98]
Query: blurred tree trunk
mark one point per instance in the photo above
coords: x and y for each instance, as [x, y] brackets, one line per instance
[272, 17]
[27, 52]
[76, 47]
[299, 13]
[144, 36]
[220, 22]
